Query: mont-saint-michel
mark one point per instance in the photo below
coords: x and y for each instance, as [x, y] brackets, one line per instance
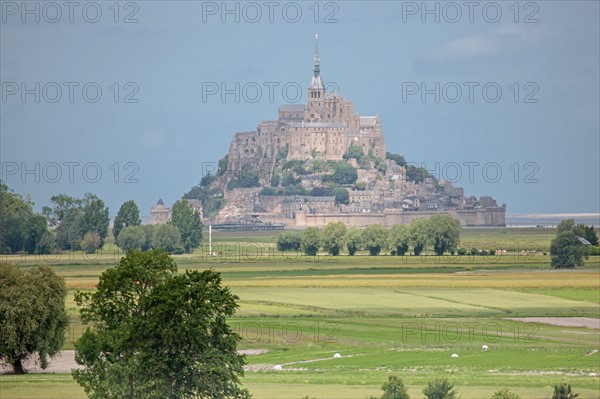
[322, 162]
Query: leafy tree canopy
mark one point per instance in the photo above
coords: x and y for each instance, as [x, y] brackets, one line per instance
[189, 223]
[182, 347]
[445, 233]
[400, 238]
[374, 238]
[311, 241]
[353, 240]
[289, 241]
[33, 317]
[419, 235]
[128, 215]
[333, 237]
[566, 251]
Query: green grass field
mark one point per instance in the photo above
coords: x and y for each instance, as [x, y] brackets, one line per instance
[401, 315]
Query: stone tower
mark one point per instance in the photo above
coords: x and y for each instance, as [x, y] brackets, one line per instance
[316, 91]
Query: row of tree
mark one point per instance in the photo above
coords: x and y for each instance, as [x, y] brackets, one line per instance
[83, 224]
[71, 223]
[181, 234]
[77, 223]
[441, 388]
[441, 232]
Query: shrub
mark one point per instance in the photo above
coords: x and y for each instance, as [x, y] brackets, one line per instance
[462, 251]
[91, 242]
[394, 389]
[563, 391]
[440, 389]
[505, 394]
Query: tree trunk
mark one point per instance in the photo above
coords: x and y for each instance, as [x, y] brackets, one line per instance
[18, 367]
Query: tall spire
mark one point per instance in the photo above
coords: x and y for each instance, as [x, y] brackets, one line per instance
[316, 82]
[317, 69]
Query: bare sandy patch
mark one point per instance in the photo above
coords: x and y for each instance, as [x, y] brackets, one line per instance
[588, 322]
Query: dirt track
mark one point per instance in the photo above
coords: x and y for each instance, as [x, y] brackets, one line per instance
[64, 362]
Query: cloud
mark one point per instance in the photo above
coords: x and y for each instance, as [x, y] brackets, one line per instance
[467, 46]
[506, 38]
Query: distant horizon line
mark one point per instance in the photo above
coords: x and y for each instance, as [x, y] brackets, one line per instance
[575, 214]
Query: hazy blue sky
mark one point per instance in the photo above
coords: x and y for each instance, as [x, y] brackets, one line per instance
[542, 132]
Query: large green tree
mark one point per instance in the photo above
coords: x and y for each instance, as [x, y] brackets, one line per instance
[289, 241]
[69, 232]
[128, 215]
[400, 239]
[566, 251]
[189, 223]
[444, 233]
[311, 241]
[32, 231]
[333, 237]
[95, 217]
[565, 225]
[419, 235]
[166, 237]
[20, 228]
[61, 205]
[353, 240]
[154, 334]
[131, 237]
[374, 238]
[33, 317]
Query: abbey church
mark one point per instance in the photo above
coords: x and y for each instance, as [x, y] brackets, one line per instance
[324, 128]
[321, 162]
